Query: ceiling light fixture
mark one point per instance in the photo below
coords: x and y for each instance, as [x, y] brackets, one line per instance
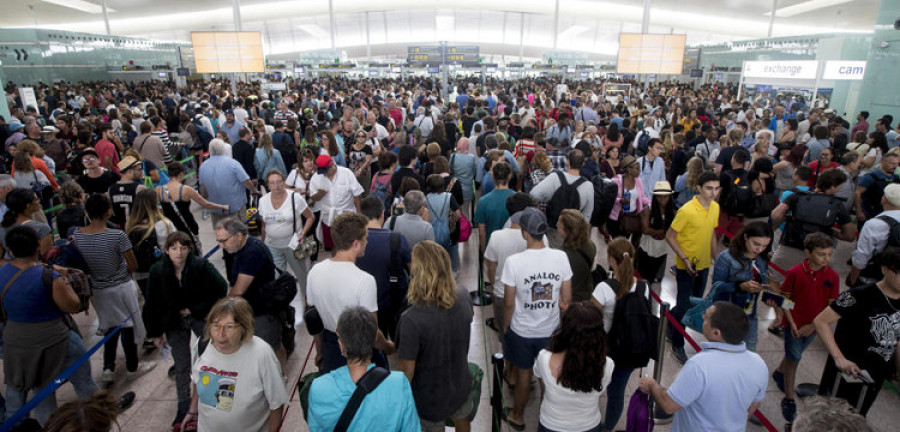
[802, 8]
[81, 5]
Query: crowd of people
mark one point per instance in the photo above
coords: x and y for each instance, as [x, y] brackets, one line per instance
[364, 191]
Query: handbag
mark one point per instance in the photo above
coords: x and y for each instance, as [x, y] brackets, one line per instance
[693, 318]
[762, 205]
[640, 417]
[309, 245]
[43, 191]
[198, 247]
[630, 223]
[313, 320]
[465, 228]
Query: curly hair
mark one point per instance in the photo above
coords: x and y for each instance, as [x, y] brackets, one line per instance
[431, 279]
[578, 232]
[581, 339]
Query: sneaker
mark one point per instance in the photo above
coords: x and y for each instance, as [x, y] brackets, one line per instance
[679, 355]
[777, 331]
[107, 378]
[778, 377]
[125, 401]
[789, 409]
[148, 345]
[143, 368]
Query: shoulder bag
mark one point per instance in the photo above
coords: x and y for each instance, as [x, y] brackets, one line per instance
[367, 384]
[309, 245]
[198, 247]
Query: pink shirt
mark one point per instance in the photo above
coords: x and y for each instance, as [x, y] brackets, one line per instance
[641, 199]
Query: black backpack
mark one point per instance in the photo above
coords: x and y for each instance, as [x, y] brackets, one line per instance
[146, 250]
[632, 337]
[814, 212]
[565, 197]
[203, 135]
[871, 197]
[739, 201]
[873, 269]
[643, 146]
[605, 193]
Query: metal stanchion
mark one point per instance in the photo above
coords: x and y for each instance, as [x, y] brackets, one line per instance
[660, 416]
[481, 297]
[497, 392]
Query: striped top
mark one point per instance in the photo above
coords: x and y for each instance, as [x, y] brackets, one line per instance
[103, 254]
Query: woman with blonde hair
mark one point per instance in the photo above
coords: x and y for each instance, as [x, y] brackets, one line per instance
[577, 244]
[620, 257]
[435, 330]
[147, 229]
[685, 184]
[267, 158]
[760, 149]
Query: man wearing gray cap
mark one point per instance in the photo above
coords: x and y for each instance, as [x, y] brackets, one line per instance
[538, 285]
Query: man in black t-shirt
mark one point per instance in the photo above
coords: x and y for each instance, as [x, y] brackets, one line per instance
[123, 192]
[866, 335]
[252, 268]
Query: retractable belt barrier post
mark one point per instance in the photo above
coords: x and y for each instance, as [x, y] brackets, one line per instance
[497, 392]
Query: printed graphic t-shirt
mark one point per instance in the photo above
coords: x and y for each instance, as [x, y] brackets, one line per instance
[538, 275]
[868, 330]
[237, 391]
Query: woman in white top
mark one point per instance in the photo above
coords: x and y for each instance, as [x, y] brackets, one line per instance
[620, 257]
[298, 181]
[573, 372]
[26, 176]
[284, 214]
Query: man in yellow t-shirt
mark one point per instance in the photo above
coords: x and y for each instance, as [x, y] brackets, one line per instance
[692, 240]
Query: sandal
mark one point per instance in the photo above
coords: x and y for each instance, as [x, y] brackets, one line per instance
[516, 426]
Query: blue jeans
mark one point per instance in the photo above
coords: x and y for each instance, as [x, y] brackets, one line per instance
[615, 397]
[16, 400]
[752, 335]
[81, 379]
[688, 286]
[454, 256]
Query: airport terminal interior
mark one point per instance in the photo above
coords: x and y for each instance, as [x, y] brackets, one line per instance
[473, 189]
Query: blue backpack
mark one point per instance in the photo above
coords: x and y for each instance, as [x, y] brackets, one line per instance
[441, 229]
[383, 192]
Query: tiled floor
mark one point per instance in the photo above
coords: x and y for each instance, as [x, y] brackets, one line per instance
[154, 408]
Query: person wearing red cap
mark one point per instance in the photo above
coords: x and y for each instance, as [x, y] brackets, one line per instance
[336, 190]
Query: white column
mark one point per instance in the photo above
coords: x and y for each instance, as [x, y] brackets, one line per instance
[555, 24]
[772, 17]
[236, 8]
[368, 39]
[105, 16]
[331, 21]
[522, 37]
[645, 19]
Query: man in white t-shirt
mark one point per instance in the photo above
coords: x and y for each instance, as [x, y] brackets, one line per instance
[337, 284]
[336, 190]
[537, 285]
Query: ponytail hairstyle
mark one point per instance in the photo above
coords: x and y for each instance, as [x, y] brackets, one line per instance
[17, 202]
[621, 251]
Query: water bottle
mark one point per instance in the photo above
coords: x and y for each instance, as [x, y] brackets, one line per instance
[626, 201]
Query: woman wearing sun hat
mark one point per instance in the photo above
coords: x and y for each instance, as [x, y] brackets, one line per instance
[652, 252]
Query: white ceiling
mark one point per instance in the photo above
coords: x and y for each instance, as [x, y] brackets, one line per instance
[505, 25]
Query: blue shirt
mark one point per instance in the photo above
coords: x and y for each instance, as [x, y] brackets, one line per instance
[716, 387]
[28, 300]
[390, 407]
[788, 193]
[222, 177]
[233, 132]
[491, 211]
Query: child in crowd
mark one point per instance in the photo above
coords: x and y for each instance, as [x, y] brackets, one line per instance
[812, 285]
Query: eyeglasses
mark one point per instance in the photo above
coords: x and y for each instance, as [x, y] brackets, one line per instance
[229, 328]
[225, 240]
[89, 159]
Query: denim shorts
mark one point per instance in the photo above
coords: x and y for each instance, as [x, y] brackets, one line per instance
[794, 347]
[521, 351]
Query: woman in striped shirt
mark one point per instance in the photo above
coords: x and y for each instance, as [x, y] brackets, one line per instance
[111, 261]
